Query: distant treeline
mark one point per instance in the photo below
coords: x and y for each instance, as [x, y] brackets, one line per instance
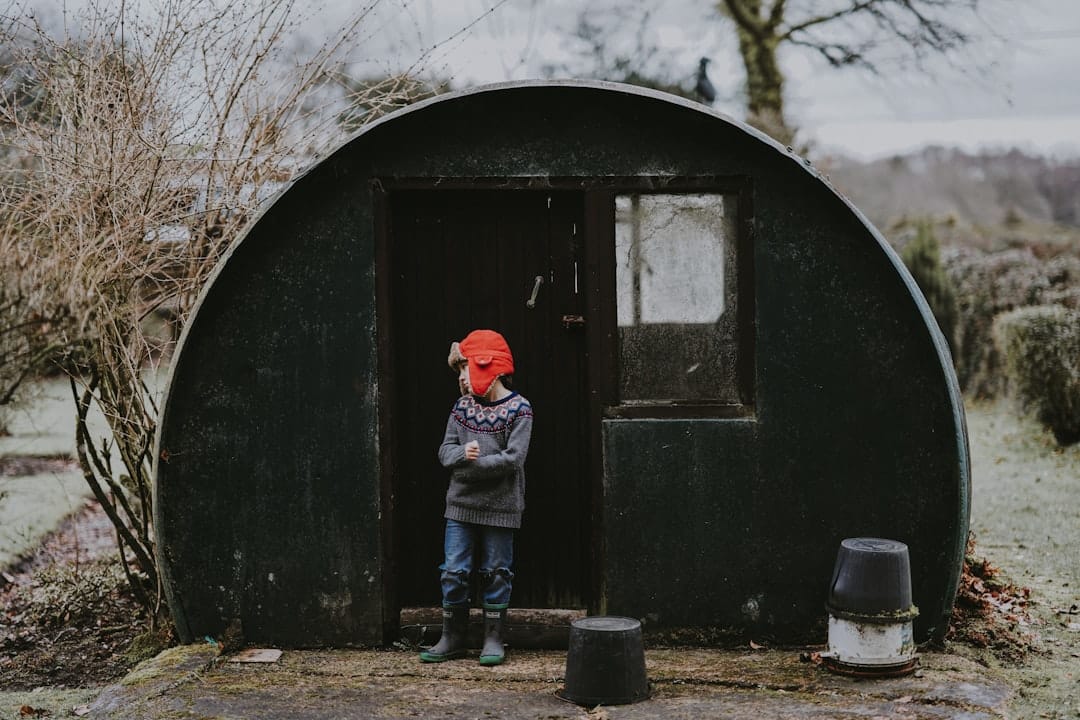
[985, 189]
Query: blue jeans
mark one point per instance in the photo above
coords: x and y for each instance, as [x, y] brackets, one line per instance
[492, 548]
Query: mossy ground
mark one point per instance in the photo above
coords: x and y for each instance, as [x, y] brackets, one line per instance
[44, 702]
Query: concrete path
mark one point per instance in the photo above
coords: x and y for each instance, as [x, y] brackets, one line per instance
[193, 682]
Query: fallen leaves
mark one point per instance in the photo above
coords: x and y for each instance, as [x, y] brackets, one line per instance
[990, 612]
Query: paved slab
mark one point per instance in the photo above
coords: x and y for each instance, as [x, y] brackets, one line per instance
[194, 682]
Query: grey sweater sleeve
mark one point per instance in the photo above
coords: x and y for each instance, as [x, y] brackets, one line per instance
[452, 451]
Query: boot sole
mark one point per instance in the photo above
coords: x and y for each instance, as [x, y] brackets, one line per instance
[429, 658]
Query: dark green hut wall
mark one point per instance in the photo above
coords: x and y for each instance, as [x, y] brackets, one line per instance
[267, 509]
[268, 505]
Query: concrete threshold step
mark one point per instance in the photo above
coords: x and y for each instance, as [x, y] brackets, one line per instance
[532, 628]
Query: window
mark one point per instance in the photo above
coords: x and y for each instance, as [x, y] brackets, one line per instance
[677, 296]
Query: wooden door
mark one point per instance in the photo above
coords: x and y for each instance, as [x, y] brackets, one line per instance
[467, 259]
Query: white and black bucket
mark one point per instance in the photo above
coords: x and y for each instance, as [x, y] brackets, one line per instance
[870, 610]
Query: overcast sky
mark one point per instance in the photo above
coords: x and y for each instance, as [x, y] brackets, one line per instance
[1020, 89]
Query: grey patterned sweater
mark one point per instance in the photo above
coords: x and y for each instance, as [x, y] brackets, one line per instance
[491, 489]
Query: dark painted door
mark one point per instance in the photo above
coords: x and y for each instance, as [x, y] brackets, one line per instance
[510, 261]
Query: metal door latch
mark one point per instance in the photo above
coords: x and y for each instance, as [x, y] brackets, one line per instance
[570, 321]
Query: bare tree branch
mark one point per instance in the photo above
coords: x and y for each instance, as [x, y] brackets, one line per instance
[854, 8]
[851, 34]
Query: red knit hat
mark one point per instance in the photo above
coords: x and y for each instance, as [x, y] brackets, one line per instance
[488, 356]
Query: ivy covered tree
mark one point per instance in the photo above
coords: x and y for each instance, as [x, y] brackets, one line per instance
[620, 40]
[863, 34]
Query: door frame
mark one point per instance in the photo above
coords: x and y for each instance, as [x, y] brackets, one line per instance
[382, 190]
[600, 330]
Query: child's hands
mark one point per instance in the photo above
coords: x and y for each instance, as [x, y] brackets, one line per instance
[472, 450]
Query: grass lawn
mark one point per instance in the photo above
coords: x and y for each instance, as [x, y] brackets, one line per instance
[32, 506]
[45, 426]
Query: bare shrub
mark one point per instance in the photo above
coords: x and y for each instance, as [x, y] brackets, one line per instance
[1041, 347]
[25, 343]
[61, 595]
[149, 143]
[33, 314]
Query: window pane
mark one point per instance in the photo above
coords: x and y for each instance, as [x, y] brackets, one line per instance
[675, 289]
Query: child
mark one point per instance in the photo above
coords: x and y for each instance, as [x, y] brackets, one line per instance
[486, 441]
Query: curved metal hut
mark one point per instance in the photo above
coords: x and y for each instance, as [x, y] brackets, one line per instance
[731, 372]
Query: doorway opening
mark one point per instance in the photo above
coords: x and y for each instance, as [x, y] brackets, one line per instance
[511, 261]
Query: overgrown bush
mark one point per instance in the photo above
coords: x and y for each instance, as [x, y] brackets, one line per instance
[1041, 348]
[32, 318]
[67, 595]
[922, 256]
[149, 142]
[988, 284]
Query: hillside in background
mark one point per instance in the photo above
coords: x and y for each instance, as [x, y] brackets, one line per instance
[982, 190]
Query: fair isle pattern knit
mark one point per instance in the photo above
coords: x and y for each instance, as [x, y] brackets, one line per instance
[489, 490]
[481, 417]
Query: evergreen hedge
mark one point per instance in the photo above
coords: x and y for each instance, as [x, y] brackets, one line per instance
[988, 284]
[1041, 348]
[922, 256]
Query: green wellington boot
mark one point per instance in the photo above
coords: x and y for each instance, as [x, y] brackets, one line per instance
[493, 653]
[453, 643]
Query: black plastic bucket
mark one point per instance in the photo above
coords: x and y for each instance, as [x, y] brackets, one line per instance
[871, 576]
[605, 663]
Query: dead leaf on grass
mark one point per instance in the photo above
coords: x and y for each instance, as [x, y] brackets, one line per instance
[755, 646]
[80, 710]
[28, 711]
[256, 655]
